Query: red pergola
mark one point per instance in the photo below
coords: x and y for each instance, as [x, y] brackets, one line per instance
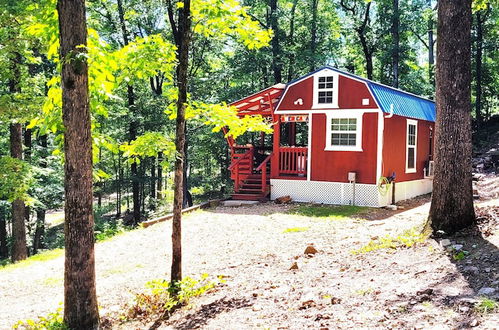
[260, 103]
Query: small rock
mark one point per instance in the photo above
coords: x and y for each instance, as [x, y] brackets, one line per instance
[445, 242]
[487, 270]
[457, 247]
[464, 309]
[257, 308]
[307, 304]
[255, 294]
[294, 266]
[391, 207]
[283, 200]
[471, 269]
[474, 323]
[335, 301]
[486, 291]
[310, 250]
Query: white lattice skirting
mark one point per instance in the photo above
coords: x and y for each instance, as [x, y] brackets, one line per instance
[343, 193]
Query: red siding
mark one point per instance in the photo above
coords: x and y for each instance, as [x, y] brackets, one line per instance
[352, 92]
[334, 166]
[394, 148]
[350, 95]
[302, 90]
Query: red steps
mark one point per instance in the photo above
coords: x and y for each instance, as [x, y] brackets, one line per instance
[251, 189]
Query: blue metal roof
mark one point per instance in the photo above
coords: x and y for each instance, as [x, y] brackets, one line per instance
[404, 103]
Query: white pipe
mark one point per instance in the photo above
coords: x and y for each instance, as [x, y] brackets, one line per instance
[391, 112]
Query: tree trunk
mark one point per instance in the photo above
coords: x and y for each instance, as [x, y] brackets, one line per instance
[4, 250]
[19, 250]
[313, 34]
[80, 299]
[183, 42]
[153, 178]
[40, 213]
[132, 130]
[396, 43]
[159, 187]
[187, 200]
[478, 69]
[39, 231]
[291, 42]
[452, 200]
[276, 47]
[431, 43]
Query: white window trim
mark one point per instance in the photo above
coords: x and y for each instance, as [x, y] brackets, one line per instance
[358, 137]
[315, 103]
[407, 169]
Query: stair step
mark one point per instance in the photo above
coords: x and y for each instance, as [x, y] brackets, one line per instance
[248, 197]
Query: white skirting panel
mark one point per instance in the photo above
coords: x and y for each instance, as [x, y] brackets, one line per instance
[410, 189]
[343, 193]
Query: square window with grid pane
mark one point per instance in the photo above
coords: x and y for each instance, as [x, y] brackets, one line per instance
[344, 132]
[325, 87]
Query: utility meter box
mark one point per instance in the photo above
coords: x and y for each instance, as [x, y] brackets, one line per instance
[352, 176]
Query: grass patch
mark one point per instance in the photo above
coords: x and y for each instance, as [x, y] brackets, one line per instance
[486, 305]
[295, 230]
[40, 257]
[406, 240]
[160, 300]
[328, 211]
[53, 321]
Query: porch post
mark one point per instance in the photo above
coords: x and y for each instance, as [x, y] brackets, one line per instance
[274, 168]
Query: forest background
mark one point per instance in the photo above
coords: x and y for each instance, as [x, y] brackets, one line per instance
[132, 57]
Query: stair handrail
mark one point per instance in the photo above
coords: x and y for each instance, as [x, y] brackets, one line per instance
[265, 161]
[264, 172]
[244, 156]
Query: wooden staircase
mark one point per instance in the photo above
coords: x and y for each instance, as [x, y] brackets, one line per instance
[251, 188]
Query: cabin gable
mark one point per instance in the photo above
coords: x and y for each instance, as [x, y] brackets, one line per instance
[326, 89]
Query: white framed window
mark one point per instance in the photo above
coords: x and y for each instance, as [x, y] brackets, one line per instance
[411, 146]
[325, 90]
[344, 132]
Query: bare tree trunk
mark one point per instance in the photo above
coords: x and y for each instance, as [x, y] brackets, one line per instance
[19, 249]
[478, 68]
[183, 39]
[313, 34]
[153, 178]
[431, 44]
[132, 130]
[80, 299]
[396, 43]
[40, 212]
[4, 250]
[159, 186]
[291, 42]
[276, 47]
[452, 199]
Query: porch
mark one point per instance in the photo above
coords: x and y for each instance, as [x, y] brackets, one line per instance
[257, 157]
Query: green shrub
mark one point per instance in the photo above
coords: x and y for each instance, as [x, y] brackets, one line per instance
[486, 305]
[406, 240]
[53, 321]
[160, 298]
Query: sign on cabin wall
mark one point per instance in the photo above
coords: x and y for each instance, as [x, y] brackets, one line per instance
[294, 118]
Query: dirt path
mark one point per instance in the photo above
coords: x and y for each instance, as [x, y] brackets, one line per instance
[418, 287]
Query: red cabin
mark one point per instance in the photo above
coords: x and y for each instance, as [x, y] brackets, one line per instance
[338, 138]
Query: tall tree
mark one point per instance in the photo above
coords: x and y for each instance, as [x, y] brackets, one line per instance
[19, 250]
[182, 36]
[396, 43]
[80, 299]
[132, 129]
[276, 46]
[313, 35]
[452, 198]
